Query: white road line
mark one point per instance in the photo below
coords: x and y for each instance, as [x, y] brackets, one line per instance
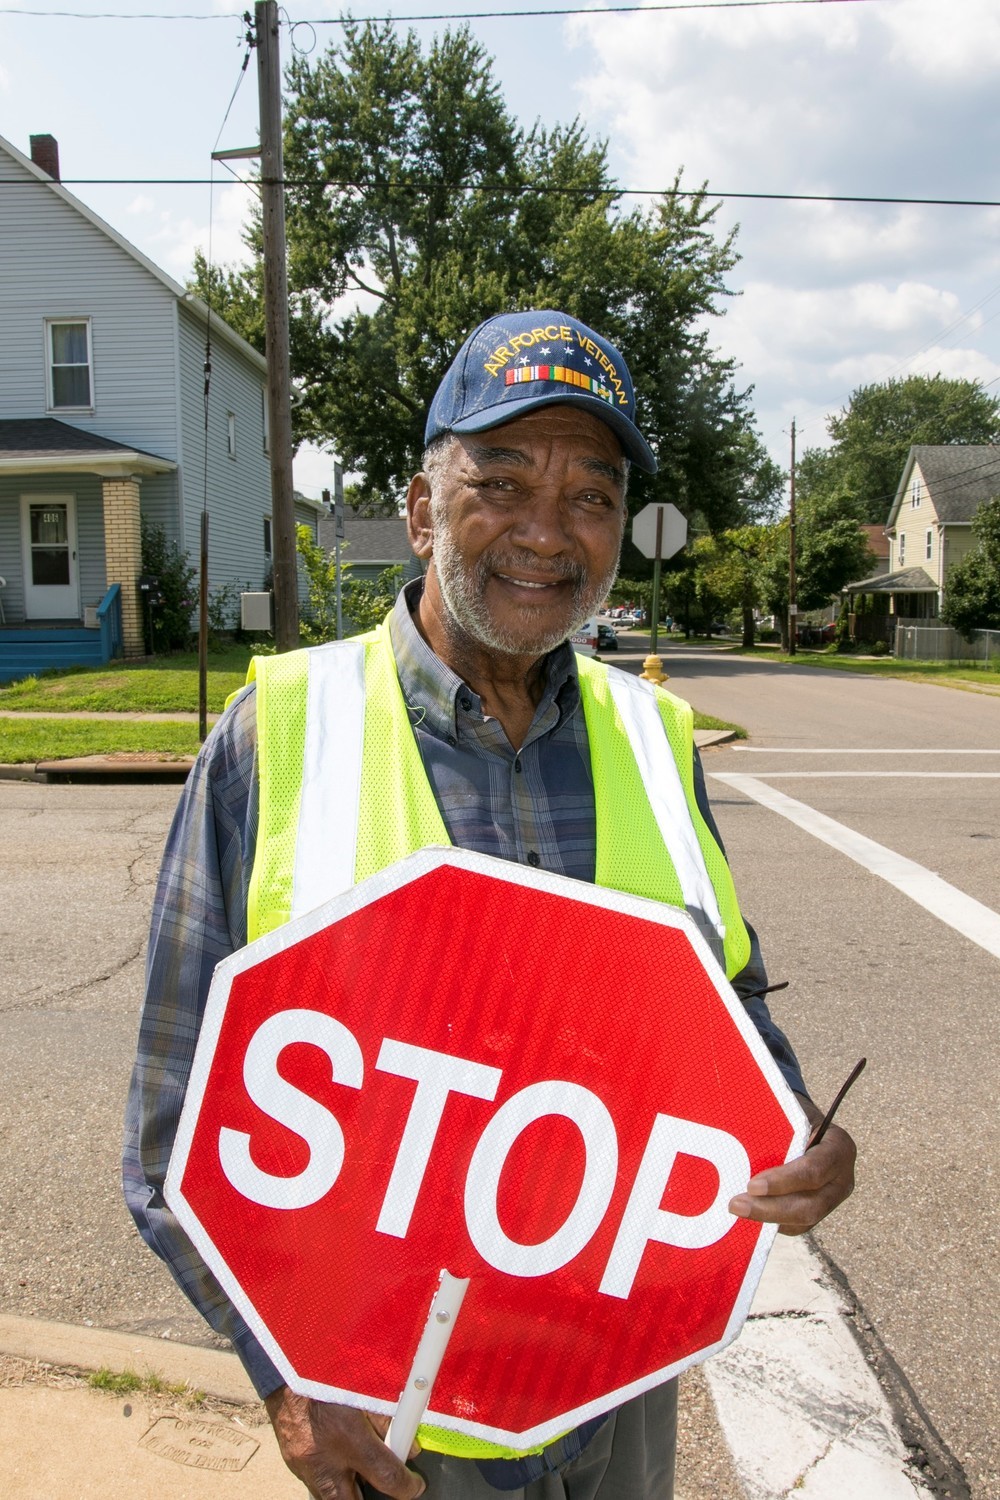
[842, 750]
[966, 915]
[873, 775]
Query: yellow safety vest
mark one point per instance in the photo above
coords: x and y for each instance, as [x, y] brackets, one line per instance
[343, 794]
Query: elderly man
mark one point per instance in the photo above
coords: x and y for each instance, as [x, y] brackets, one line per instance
[484, 730]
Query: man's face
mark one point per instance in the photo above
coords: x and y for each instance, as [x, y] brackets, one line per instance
[523, 525]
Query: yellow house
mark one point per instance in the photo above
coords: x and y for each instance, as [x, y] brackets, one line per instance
[930, 524]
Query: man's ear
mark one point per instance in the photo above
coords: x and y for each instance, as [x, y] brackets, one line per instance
[418, 515]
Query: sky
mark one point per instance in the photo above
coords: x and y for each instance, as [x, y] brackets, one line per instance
[870, 98]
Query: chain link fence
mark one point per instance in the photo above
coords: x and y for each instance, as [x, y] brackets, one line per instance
[942, 643]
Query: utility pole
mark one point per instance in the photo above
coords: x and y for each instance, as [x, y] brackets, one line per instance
[793, 608]
[279, 385]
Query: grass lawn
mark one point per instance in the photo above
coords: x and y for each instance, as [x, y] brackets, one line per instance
[49, 739]
[705, 721]
[167, 684]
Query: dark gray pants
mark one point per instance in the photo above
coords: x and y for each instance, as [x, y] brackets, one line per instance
[630, 1458]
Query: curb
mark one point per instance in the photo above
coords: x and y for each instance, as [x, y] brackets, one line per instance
[801, 1411]
[71, 1347]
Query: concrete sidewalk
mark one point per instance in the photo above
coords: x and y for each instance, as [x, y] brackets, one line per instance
[802, 1415]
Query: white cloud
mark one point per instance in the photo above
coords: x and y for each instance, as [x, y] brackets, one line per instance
[891, 101]
[173, 244]
[141, 204]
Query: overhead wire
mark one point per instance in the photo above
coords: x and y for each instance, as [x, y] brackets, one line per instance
[611, 190]
[468, 15]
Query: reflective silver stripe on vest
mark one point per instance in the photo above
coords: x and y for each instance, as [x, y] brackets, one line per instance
[327, 835]
[636, 703]
[326, 839]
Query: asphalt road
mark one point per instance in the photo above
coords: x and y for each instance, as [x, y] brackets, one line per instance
[876, 973]
[873, 972]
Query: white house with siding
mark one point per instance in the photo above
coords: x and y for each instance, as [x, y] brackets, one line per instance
[102, 421]
[930, 525]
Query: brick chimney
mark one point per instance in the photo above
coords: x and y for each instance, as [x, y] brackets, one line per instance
[45, 154]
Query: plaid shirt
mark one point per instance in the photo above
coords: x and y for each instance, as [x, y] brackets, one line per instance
[534, 806]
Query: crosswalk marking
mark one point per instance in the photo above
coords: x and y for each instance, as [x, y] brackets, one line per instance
[975, 921]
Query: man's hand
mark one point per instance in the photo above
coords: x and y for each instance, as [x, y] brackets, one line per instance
[799, 1194]
[328, 1446]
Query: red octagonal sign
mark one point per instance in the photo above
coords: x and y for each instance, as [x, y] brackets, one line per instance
[461, 1063]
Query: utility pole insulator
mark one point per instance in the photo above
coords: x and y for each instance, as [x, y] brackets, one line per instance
[279, 385]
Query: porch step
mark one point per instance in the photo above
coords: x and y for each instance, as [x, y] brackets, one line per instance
[25, 652]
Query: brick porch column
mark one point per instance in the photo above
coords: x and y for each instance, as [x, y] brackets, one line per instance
[123, 555]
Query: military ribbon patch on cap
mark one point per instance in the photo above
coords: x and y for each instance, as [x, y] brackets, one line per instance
[522, 373]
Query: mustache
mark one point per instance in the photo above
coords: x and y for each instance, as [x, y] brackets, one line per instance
[527, 563]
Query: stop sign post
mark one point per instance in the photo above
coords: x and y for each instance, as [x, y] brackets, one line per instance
[658, 531]
[468, 1064]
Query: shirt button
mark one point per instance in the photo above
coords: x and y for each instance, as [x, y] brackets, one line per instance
[452, 740]
[517, 763]
[465, 703]
[533, 858]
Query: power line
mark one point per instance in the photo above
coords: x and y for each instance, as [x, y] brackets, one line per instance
[469, 15]
[617, 10]
[519, 189]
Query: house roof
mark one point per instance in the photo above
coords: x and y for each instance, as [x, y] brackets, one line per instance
[41, 445]
[197, 306]
[371, 539]
[959, 478]
[906, 581]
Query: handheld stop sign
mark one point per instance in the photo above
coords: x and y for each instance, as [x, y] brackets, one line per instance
[547, 1088]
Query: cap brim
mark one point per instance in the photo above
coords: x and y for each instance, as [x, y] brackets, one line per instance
[634, 445]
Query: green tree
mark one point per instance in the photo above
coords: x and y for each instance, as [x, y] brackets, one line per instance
[831, 550]
[417, 206]
[731, 568]
[873, 434]
[364, 602]
[972, 594]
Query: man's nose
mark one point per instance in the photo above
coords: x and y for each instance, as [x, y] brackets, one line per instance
[543, 524]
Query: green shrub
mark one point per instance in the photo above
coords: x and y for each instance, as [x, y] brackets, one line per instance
[880, 648]
[167, 625]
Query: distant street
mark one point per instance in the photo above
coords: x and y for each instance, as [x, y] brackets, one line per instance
[873, 971]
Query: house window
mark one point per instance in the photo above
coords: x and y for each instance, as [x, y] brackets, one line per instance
[265, 419]
[902, 548]
[267, 535]
[915, 494]
[70, 375]
[231, 434]
[930, 546]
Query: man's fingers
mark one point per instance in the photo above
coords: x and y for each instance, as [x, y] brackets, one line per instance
[802, 1192]
[327, 1446]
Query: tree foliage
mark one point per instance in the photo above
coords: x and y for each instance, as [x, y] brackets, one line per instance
[831, 550]
[417, 206]
[873, 434]
[972, 595]
[364, 602]
[732, 572]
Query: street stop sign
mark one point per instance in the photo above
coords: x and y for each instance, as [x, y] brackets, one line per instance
[470, 1065]
[673, 535]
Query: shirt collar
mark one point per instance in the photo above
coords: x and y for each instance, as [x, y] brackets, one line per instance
[434, 692]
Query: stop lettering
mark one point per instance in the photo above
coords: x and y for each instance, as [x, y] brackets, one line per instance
[542, 1086]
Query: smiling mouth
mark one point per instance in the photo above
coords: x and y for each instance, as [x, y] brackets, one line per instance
[531, 583]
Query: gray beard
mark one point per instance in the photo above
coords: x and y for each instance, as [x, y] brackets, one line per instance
[464, 592]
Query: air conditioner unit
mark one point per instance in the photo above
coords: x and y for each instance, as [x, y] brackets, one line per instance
[90, 619]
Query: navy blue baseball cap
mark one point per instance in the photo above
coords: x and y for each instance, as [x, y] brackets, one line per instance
[518, 361]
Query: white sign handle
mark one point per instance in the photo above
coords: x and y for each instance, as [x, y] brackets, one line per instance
[416, 1392]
